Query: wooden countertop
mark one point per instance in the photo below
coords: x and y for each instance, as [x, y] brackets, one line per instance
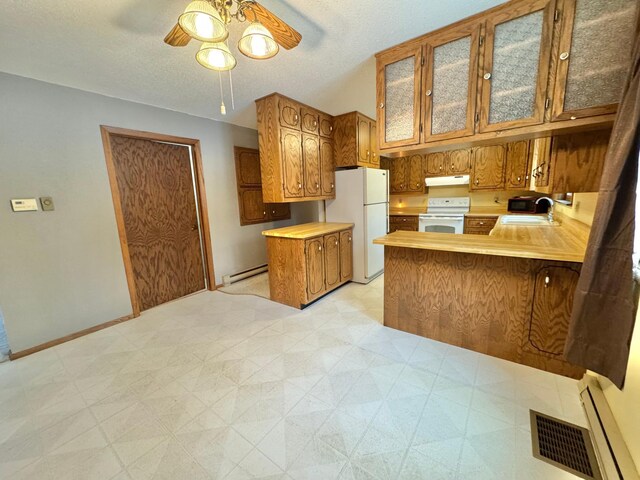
[487, 211]
[406, 211]
[307, 230]
[566, 242]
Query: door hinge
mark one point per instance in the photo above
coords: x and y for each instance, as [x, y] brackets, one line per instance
[547, 103]
[556, 15]
[477, 117]
[481, 40]
[422, 61]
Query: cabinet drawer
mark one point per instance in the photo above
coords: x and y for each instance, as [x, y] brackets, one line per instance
[477, 231]
[480, 222]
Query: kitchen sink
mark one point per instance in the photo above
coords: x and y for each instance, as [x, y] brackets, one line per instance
[533, 220]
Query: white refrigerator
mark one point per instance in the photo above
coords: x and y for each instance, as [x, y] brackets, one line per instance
[362, 198]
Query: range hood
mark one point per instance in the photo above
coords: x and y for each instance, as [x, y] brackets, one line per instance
[446, 181]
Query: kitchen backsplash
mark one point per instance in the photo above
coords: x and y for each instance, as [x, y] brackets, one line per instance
[478, 199]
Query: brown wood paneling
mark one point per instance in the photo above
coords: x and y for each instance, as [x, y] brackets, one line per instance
[346, 255]
[327, 167]
[155, 186]
[488, 168]
[315, 268]
[247, 167]
[292, 161]
[332, 260]
[311, 162]
[517, 177]
[479, 302]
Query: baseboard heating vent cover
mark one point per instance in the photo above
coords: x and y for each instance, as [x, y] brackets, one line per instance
[564, 445]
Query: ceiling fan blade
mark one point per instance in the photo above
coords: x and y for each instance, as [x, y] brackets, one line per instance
[282, 33]
[177, 37]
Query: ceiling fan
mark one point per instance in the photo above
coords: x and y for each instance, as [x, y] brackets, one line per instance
[207, 20]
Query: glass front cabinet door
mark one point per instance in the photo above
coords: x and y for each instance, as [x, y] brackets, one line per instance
[517, 49]
[399, 75]
[450, 80]
[594, 56]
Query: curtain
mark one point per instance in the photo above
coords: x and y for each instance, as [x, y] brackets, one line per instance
[605, 299]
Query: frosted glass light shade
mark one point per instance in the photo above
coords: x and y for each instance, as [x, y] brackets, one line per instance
[202, 21]
[216, 56]
[257, 42]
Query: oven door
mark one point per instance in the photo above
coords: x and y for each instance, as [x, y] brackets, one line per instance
[441, 223]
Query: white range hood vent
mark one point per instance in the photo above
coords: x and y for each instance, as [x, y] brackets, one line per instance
[446, 181]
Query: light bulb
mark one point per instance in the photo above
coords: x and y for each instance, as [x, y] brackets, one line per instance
[258, 45]
[204, 25]
[216, 58]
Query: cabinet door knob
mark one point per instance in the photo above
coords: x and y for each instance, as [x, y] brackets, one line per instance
[317, 184]
[402, 185]
[295, 118]
[331, 128]
[381, 105]
[452, 166]
[320, 248]
[428, 93]
[481, 223]
[417, 184]
[336, 242]
[349, 238]
[404, 219]
[477, 181]
[315, 124]
[487, 76]
[440, 167]
[273, 212]
[264, 213]
[519, 178]
[368, 153]
[332, 186]
[564, 55]
[547, 281]
[299, 186]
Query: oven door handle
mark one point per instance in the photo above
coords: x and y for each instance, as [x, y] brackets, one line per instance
[441, 218]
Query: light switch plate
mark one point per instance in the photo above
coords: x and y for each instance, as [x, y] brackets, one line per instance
[47, 204]
[24, 204]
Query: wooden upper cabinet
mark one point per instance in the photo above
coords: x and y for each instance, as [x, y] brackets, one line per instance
[373, 140]
[594, 56]
[364, 143]
[252, 209]
[315, 268]
[346, 255]
[311, 161]
[332, 259]
[327, 167]
[435, 164]
[540, 160]
[459, 162]
[278, 211]
[289, 113]
[517, 177]
[326, 126]
[247, 167]
[415, 173]
[310, 120]
[398, 174]
[450, 83]
[292, 162]
[399, 78]
[488, 167]
[516, 65]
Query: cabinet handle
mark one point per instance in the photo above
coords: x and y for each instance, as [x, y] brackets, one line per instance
[349, 238]
[564, 55]
[417, 185]
[336, 242]
[452, 167]
[315, 124]
[368, 153]
[519, 178]
[402, 185]
[273, 212]
[374, 155]
[404, 219]
[481, 223]
[319, 247]
[317, 185]
[547, 281]
[440, 167]
[264, 214]
[381, 105]
[299, 186]
[295, 118]
[428, 93]
[331, 128]
[477, 181]
[332, 186]
[487, 76]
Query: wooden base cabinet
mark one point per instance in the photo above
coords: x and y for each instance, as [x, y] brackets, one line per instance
[403, 222]
[302, 270]
[295, 159]
[479, 225]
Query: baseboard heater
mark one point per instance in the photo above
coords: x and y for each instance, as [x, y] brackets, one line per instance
[236, 277]
[613, 456]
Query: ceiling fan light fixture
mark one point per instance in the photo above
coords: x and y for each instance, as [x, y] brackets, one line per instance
[257, 42]
[216, 56]
[203, 22]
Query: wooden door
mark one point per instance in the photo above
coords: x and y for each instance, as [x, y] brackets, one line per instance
[398, 174]
[315, 268]
[332, 260]
[247, 167]
[291, 143]
[327, 167]
[252, 208]
[326, 126]
[278, 211]
[435, 164]
[415, 177]
[373, 139]
[364, 142]
[517, 177]
[450, 83]
[346, 256]
[516, 65]
[157, 196]
[540, 158]
[311, 161]
[551, 309]
[289, 113]
[594, 58]
[488, 168]
[398, 84]
[578, 160]
[459, 162]
[310, 119]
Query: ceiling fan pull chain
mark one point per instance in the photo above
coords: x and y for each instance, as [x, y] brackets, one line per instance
[223, 109]
[233, 105]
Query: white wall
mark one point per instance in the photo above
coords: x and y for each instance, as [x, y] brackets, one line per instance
[62, 271]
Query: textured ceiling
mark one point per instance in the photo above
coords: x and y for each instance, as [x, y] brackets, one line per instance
[115, 48]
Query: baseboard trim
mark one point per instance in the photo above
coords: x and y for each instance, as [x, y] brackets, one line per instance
[72, 336]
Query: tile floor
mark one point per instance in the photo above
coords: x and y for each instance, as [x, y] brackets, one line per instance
[224, 386]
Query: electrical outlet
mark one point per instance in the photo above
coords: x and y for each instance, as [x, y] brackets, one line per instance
[47, 204]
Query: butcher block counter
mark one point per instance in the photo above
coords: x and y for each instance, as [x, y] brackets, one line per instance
[309, 260]
[508, 294]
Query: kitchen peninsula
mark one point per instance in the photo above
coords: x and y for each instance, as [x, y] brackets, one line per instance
[508, 294]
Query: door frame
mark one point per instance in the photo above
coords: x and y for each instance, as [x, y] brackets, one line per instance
[107, 132]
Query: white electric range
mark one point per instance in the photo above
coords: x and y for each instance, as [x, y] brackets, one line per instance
[444, 215]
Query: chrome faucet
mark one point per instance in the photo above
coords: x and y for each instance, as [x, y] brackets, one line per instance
[550, 211]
